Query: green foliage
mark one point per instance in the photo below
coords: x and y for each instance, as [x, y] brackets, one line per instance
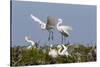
[21, 56]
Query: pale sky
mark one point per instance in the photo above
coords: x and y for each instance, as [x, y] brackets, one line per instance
[82, 18]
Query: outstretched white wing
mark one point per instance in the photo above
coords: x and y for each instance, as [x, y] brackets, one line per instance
[36, 19]
[66, 29]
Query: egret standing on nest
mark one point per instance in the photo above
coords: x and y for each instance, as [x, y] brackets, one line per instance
[49, 26]
[64, 30]
[30, 41]
[63, 51]
[53, 52]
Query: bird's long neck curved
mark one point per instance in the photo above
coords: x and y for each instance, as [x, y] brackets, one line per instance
[65, 48]
[43, 25]
[59, 50]
[30, 41]
[58, 24]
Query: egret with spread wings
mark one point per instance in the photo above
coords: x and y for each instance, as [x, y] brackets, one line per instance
[49, 26]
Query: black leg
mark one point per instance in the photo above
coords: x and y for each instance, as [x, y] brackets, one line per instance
[49, 36]
[62, 39]
[52, 35]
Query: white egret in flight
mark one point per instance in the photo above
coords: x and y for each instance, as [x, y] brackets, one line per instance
[49, 26]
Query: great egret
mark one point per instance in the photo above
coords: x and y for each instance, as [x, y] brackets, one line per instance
[53, 52]
[30, 41]
[64, 51]
[64, 30]
[49, 26]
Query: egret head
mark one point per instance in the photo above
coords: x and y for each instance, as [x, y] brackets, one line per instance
[60, 20]
[28, 37]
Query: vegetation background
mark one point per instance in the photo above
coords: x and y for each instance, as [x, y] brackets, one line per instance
[20, 56]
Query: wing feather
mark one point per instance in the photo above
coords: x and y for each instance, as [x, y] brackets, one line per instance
[66, 29]
[36, 19]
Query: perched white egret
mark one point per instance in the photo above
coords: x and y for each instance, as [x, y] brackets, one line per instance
[30, 41]
[53, 52]
[64, 51]
[64, 30]
[49, 26]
